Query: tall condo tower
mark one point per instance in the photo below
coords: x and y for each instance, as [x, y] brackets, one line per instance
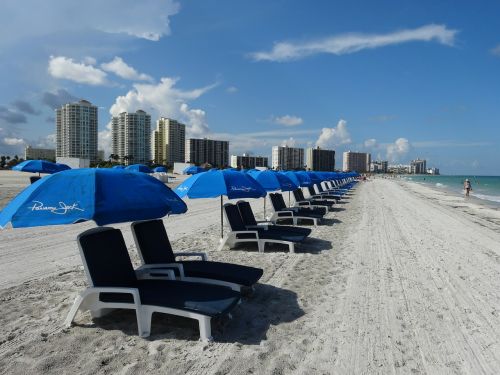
[168, 141]
[76, 131]
[131, 137]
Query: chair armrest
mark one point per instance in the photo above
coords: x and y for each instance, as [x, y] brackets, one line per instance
[203, 256]
[284, 213]
[264, 226]
[254, 232]
[102, 289]
[154, 267]
[302, 203]
[166, 274]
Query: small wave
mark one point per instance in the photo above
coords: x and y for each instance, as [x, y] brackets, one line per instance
[493, 198]
[440, 185]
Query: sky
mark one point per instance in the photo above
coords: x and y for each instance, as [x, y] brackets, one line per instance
[399, 79]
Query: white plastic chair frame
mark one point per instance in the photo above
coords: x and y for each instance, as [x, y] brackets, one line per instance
[231, 238]
[89, 300]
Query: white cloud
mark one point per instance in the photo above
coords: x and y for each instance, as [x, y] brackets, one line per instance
[48, 141]
[370, 143]
[165, 99]
[232, 89]
[104, 140]
[331, 137]
[13, 141]
[354, 42]
[496, 50]
[147, 19]
[288, 120]
[398, 149]
[290, 142]
[121, 69]
[66, 68]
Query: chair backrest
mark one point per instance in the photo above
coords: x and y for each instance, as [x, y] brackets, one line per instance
[152, 243]
[277, 206]
[280, 200]
[233, 217]
[246, 213]
[311, 190]
[34, 179]
[105, 258]
[320, 188]
[296, 195]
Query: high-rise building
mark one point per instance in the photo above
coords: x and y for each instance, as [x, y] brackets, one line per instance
[418, 166]
[248, 162]
[131, 137]
[168, 142]
[379, 166]
[320, 160]
[76, 131]
[287, 158]
[207, 151]
[31, 153]
[356, 161]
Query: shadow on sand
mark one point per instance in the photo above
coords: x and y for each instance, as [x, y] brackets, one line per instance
[267, 306]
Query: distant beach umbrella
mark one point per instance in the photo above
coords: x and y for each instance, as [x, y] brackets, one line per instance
[160, 170]
[272, 181]
[40, 166]
[78, 195]
[193, 169]
[219, 183]
[315, 178]
[304, 178]
[118, 166]
[138, 168]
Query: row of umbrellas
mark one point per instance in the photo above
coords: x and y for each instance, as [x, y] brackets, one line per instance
[73, 196]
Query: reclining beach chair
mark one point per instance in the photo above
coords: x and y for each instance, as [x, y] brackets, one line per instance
[154, 248]
[322, 194]
[295, 214]
[115, 285]
[239, 233]
[250, 222]
[300, 200]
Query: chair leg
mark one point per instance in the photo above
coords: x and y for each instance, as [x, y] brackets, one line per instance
[291, 246]
[73, 311]
[261, 245]
[222, 243]
[144, 316]
[205, 328]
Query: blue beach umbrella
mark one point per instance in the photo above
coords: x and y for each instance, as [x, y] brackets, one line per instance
[40, 166]
[160, 170]
[272, 181]
[139, 168]
[218, 183]
[86, 194]
[118, 166]
[193, 169]
[304, 178]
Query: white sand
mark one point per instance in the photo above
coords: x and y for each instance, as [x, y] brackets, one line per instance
[404, 280]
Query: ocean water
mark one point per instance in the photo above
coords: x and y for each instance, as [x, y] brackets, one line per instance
[483, 187]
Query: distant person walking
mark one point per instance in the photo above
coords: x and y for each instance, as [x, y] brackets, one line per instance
[467, 187]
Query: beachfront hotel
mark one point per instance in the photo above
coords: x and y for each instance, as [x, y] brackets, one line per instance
[168, 142]
[287, 158]
[76, 131]
[318, 159]
[32, 153]
[356, 161]
[248, 162]
[379, 166]
[207, 151]
[131, 137]
[418, 166]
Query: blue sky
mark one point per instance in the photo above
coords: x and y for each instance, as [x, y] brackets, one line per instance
[400, 79]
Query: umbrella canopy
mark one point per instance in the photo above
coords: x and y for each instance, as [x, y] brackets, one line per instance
[193, 170]
[40, 166]
[217, 183]
[91, 194]
[118, 166]
[292, 176]
[160, 170]
[139, 168]
[315, 178]
[213, 184]
[272, 181]
[304, 178]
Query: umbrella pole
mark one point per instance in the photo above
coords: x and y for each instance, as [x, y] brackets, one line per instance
[221, 218]
[265, 218]
[288, 198]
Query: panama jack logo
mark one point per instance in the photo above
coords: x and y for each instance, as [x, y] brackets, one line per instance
[61, 209]
[182, 188]
[246, 189]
